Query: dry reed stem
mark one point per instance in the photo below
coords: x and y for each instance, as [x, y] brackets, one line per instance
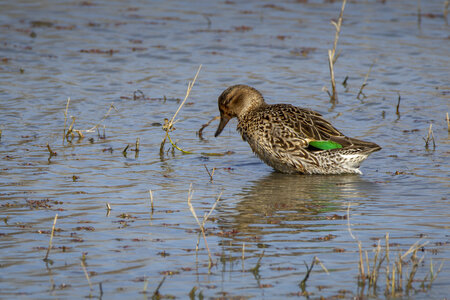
[212, 208]
[111, 106]
[416, 264]
[432, 274]
[333, 96]
[367, 263]
[374, 275]
[144, 289]
[387, 247]
[332, 53]
[361, 263]
[86, 273]
[169, 125]
[151, 200]
[388, 262]
[365, 81]
[69, 131]
[80, 134]
[322, 265]
[138, 142]
[205, 218]
[65, 118]
[414, 247]
[211, 174]
[51, 238]
[430, 137]
[400, 273]
[393, 281]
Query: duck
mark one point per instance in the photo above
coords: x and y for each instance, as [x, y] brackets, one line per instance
[288, 138]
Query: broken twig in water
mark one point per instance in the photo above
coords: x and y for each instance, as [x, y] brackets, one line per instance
[200, 131]
[430, 137]
[51, 238]
[397, 111]
[308, 271]
[124, 151]
[71, 130]
[211, 174]
[156, 294]
[51, 152]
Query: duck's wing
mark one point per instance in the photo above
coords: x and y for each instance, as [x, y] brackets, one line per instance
[310, 125]
[306, 124]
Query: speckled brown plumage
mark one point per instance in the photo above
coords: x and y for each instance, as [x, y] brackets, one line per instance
[280, 134]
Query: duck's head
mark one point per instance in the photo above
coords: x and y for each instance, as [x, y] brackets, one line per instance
[236, 101]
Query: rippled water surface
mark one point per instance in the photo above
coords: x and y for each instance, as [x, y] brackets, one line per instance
[140, 57]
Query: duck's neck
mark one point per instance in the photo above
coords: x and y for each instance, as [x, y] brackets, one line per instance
[253, 105]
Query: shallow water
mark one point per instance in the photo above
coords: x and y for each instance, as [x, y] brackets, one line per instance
[102, 52]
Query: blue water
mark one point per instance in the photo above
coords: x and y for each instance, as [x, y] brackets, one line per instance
[103, 52]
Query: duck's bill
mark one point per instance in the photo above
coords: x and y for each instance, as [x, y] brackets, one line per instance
[223, 122]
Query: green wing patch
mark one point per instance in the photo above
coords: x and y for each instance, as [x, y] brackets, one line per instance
[325, 145]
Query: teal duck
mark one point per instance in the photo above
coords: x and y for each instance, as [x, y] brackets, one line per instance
[291, 139]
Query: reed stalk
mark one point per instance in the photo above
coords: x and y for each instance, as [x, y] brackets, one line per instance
[332, 57]
[86, 274]
[397, 110]
[65, 118]
[51, 238]
[151, 200]
[169, 126]
[430, 138]
[205, 218]
[360, 93]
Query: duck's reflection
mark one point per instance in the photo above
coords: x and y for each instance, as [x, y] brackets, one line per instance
[287, 204]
